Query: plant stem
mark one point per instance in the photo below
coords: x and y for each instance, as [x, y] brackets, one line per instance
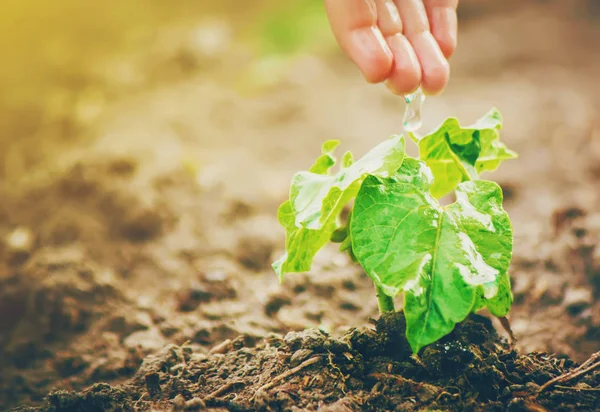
[386, 303]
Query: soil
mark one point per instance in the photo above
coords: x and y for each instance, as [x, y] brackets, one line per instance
[366, 369]
[137, 227]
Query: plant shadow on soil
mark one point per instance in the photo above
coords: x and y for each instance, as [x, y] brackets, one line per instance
[372, 369]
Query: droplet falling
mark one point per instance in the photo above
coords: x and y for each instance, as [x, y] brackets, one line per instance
[412, 113]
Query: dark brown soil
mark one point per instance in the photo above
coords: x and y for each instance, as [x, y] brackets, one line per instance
[138, 199]
[365, 370]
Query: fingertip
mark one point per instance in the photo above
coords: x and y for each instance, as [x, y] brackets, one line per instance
[399, 87]
[447, 44]
[436, 78]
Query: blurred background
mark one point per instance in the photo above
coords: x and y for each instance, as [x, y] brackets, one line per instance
[71, 70]
[145, 146]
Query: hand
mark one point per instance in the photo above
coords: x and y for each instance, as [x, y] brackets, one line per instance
[406, 43]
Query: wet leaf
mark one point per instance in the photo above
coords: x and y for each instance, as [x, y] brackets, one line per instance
[442, 258]
[311, 215]
[457, 154]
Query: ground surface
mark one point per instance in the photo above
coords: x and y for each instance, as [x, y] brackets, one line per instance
[137, 220]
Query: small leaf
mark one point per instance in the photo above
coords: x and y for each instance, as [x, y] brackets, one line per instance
[457, 154]
[448, 261]
[316, 200]
[326, 161]
[347, 160]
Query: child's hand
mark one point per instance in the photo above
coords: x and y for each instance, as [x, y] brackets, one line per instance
[403, 42]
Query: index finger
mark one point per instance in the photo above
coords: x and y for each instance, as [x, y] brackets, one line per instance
[354, 25]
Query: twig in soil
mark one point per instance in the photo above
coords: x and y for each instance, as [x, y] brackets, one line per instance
[400, 380]
[222, 390]
[451, 395]
[418, 360]
[589, 365]
[338, 370]
[288, 373]
[574, 388]
[135, 405]
[506, 325]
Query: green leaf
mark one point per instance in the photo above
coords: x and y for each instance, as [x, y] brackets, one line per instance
[316, 200]
[326, 161]
[457, 154]
[442, 258]
[347, 160]
[500, 304]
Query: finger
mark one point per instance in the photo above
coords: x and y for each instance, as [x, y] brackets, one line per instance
[405, 75]
[444, 23]
[354, 25]
[435, 70]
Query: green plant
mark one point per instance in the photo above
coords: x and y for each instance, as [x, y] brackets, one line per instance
[447, 261]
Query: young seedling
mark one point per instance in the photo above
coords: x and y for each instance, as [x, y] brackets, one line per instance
[447, 261]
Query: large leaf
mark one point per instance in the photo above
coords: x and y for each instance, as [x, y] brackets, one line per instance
[317, 199]
[457, 154]
[449, 261]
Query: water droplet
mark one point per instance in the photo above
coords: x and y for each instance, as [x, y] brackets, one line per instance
[412, 113]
